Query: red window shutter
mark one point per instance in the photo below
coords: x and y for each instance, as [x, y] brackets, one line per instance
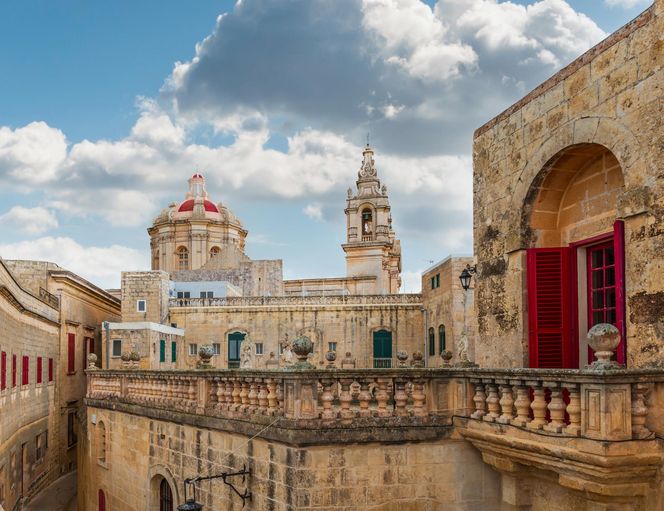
[50, 369]
[550, 328]
[25, 374]
[71, 353]
[619, 254]
[3, 371]
[39, 369]
[13, 370]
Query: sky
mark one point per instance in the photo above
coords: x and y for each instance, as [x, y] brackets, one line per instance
[106, 108]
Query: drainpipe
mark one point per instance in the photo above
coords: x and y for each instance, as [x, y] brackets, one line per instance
[425, 313]
[106, 326]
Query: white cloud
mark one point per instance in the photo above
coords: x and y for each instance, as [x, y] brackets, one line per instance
[314, 211]
[100, 265]
[411, 281]
[29, 220]
[626, 4]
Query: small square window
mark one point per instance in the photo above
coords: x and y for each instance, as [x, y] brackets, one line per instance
[117, 348]
[259, 348]
[332, 346]
[140, 305]
[207, 294]
[193, 350]
[216, 348]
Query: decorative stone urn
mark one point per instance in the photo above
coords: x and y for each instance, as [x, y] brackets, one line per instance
[418, 359]
[126, 359]
[348, 362]
[446, 355]
[302, 347]
[604, 338]
[92, 362]
[331, 356]
[272, 362]
[402, 357]
[135, 359]
[205, 353]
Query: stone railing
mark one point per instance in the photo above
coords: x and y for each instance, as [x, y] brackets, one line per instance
[607, 406]
[49, 298]
[257, 301]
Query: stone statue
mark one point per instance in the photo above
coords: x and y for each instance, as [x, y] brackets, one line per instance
[246, 356]
[286, 355]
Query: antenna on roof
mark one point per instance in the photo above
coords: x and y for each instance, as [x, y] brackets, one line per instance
[368, 137]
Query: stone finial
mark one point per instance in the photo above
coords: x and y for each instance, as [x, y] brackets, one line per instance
[92, 361]
[272, 362]
[331, 356]
[205, 353]
[418, 359]
[302, 347]
[348, 362]
[446, 355]
[135, 359]
[604, 338]
[126, 359]
[402, 357]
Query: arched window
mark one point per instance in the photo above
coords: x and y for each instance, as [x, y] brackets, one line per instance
[214, 251]
[183, 258]
[367, 222]
[101, 497]
[101, 442]
[165, 496]
[432, 342]
[441, 339]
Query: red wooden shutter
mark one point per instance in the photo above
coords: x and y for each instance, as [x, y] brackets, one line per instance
[13, 370]
[619, 255]
[39, 369]
[50, 369]
[3, 371]
[25, 374]
[550, 325]
[71, 353]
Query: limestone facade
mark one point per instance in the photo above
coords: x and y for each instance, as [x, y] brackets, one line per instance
[574, 164]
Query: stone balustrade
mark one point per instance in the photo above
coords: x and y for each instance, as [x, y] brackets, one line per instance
[253, 301]
[607, 406]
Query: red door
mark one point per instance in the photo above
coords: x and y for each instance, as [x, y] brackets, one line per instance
[102, 501]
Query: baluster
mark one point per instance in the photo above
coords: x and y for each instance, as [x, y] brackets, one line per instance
[506, 402]
[237, 392]
[214, 386]
[364, 397]
[492, 401]
[400, 397]
[538, 405]
[192, 393]
[244, 395]
[221, 393]
[418, 398]
[639, 410]
[479, 399]
[556, 408]
[346, 414]
[228, 394]
[573, 410]
[262, 396]
[328, 415]
[280, 396]
[382, 397]
[272, 403]
[253, 395]
[521, 403]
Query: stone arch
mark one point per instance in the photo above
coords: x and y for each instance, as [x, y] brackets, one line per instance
[369, 208]
[156, 474]
[602, 131]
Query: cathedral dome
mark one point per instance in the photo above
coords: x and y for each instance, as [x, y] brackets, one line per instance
[188, 205]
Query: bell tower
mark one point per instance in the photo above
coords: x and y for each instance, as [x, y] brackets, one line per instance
[371, 246]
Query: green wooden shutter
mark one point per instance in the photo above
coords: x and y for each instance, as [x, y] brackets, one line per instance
[162, 351]
[174, 351]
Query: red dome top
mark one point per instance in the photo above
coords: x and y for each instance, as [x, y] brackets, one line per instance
[188, 205]
[197, 175]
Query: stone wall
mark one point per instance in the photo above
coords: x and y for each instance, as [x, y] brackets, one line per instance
[443, 474]
[151, 286]
[610, 97]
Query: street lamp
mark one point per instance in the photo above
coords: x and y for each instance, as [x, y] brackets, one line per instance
[466, 275]
[190, 503]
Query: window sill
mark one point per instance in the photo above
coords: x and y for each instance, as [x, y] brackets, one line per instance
[71, 373]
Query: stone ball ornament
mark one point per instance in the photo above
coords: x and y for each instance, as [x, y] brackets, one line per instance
[402, 357]
[92, 361]
[604, 338]
[205, 353]
[446, 355]
[125, 356]
[302, 347]
[331, 356]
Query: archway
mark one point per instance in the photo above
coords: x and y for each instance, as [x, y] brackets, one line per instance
[164, 495]
[575, 263]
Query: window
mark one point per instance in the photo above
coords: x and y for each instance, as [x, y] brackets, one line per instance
[50, 369]
[71, 353]
[165, 496]
[214, 251]
[216, 348]
[174, 352]
[3, 371]
[40, 446]
[117, 348]
[367, 220]
[13, 371]
[332, 346]
[184, 294]
[435, 281]
[183, 258]
[162, 350]
[207, 294]
[101, 501]
[259, 348]
[441, 339]
[71, 429]
[140, 305]
[39, 369]
[432, 343]
[25, 373]
[193, 350]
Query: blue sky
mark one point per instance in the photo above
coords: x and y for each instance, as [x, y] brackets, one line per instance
[99, 128]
